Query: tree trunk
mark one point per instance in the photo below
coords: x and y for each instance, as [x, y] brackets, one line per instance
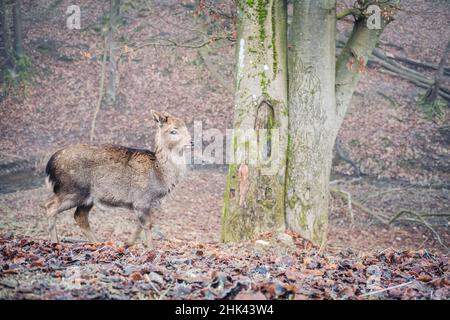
[254, 194]
[113, 74]
[6, 40]
[17, 22]
[312, 117]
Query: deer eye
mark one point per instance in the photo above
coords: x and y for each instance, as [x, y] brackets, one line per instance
[173, 132]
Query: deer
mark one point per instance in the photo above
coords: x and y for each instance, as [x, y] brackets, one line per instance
[106, 175]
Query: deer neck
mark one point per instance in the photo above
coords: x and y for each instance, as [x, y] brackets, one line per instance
[172, 165]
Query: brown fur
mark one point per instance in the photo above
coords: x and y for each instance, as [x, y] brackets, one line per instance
[84, 175]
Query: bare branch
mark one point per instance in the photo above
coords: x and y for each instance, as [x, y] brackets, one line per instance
[357, 51]
[170, 42]
[347, 12]
[356, 204]
[418, 216]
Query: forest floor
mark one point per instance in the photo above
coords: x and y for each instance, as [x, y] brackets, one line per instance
[405, 156]
[189, 262]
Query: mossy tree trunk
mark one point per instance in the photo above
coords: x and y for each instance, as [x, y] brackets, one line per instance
[320, 90]
[254, 195]
[312, 117]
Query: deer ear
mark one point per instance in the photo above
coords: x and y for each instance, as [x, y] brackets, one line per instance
[159, 117]
[155, 115]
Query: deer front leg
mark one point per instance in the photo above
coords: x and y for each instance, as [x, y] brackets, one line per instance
[144, 223]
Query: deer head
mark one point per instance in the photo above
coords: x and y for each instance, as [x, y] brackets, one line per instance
[172, 135]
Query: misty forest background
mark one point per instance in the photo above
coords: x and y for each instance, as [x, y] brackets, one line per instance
[389, 198]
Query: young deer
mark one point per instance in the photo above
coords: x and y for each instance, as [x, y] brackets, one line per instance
[85, 175]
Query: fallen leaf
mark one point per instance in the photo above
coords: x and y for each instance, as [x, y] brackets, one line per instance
[136, 276]
[424, 277]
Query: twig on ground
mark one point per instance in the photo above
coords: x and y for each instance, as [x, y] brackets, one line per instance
[322, 245]
[154, 288]
[387, 289]
[163, 294]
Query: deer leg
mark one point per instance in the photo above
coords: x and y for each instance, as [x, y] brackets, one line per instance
[53, 207]
[147, 225]
[144, 224]
[81, 217]
[136, 234]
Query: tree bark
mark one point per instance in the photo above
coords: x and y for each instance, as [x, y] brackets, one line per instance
[113, 74]
[312, 117]
[17, 22]
[351, 63]
[6, 40]
[254, 194]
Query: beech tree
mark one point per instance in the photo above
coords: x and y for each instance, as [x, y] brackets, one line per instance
[312, 98]
[254, 201]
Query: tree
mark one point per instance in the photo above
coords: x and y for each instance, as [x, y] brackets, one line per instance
[109, 96]
[320, 90]
[12, 50]
[6, 40]
[113, 73]
[254, 200]
[311, 116]
[17, 23]
[15, 67]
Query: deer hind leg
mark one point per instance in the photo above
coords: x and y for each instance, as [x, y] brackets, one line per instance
[54, 206]
[144, 218]
[81, 217]
[51, 207]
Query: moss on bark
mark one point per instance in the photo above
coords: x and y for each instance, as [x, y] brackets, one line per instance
[260, 86]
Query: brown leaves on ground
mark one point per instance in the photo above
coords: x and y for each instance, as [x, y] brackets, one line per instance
[39, 269]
